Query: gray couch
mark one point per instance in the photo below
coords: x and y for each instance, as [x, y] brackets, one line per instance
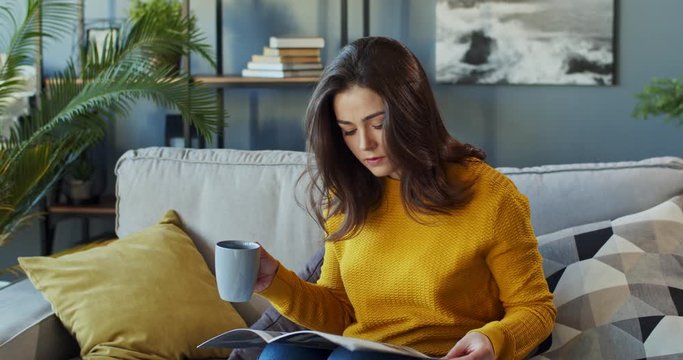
[224, 194]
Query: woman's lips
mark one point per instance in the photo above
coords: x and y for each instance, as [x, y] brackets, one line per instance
[373, 161]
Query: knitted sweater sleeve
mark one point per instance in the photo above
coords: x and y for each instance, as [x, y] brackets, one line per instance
[323, 306]
[516, 264]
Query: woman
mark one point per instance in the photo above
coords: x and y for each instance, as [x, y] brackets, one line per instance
[427, 246]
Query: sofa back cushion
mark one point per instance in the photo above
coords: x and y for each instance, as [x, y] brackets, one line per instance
[255, 195]
[567, 195]
[220, 195]
[225, 194]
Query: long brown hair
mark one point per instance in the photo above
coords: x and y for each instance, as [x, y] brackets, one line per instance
[415, 138]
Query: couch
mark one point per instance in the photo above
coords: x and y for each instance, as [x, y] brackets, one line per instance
[256, 195]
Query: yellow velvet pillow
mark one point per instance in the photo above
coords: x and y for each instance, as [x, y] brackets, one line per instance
[149, 295]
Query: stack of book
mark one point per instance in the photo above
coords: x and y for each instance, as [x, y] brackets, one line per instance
[287, 57]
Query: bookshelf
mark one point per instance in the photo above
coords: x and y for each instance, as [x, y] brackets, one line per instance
[222, 81]
[55, 211]
[236, 80]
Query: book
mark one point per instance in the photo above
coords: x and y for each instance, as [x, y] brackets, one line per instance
[268, 51]
[285, 59]
[296, 42]
[241, 338]
[280, 73]
[283, 66]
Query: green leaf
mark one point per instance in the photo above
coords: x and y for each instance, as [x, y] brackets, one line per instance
[661, 97]
[78, 104]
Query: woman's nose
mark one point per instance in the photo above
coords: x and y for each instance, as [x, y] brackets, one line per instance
[367, 142]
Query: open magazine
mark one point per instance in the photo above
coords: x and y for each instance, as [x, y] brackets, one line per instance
[241, 338]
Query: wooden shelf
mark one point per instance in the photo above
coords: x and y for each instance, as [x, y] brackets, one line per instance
[222, 83]
[236, 80]
[54, 213]
[107, 206]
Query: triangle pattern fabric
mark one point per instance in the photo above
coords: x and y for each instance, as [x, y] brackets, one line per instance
[631, 327]
[550, 267]
[657, 296]
[679, 259]
[618, 245]
[553, 279]
[618, 286]
[677, 297]
[647, 324]
[588, 244]
[561, 250]
[576, 314]
[563, 334]
[622, 262]
[665, 341]
[667, 210]
[585, 277]
[648, 270]
[632, 306]
[605, 303]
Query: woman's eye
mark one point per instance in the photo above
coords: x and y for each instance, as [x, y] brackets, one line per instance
[348, 132]
[378, 126]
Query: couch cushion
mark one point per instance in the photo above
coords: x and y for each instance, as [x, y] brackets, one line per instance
[220, 194]
[618, 286]
[29, 328]
[255, 195]
[561, 196]
[148, 295]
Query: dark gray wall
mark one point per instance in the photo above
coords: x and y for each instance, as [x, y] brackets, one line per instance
[516, 125]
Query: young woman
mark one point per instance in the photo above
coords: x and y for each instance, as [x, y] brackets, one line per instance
[427, 246]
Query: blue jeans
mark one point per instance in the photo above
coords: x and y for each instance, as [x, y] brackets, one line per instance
[286, 351]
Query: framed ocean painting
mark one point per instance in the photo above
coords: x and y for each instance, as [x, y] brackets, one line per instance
[534, 42]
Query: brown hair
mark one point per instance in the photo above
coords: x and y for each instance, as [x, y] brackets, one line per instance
[415, 137]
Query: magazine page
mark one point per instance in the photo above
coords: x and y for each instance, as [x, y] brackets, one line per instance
[308, 337]
[241, 338]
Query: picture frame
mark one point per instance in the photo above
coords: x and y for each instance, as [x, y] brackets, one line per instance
[540, 42]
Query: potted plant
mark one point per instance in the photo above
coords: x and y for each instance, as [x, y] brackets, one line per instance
[170, 19]
[72, 113]
[168, 10]
[79, 179]
[661, 97]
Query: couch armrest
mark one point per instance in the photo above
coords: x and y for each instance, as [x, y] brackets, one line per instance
[28, 327]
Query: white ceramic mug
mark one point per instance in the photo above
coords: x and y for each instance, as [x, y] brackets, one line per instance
[237, 264]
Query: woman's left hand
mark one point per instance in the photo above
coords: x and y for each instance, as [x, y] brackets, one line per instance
[474, 345]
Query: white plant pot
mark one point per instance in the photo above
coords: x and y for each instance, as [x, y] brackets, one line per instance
[79, 189]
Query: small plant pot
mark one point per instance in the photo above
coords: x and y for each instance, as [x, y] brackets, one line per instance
[79, 190]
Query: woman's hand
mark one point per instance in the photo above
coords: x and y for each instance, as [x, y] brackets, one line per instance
[267, 269]
[474, 345]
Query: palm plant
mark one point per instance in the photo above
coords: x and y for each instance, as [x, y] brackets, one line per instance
[73, 111]
[166, 12]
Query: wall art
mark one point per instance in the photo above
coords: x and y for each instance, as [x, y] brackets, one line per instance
[555, 42]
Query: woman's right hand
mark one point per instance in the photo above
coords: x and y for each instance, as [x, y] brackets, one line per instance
[267, 269]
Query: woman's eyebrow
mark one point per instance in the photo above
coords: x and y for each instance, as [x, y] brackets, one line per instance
[375, 114]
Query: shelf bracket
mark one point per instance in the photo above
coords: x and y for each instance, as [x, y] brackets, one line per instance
[345, 21]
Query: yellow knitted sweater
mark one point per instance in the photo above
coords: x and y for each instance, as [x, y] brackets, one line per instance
[426, 284]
